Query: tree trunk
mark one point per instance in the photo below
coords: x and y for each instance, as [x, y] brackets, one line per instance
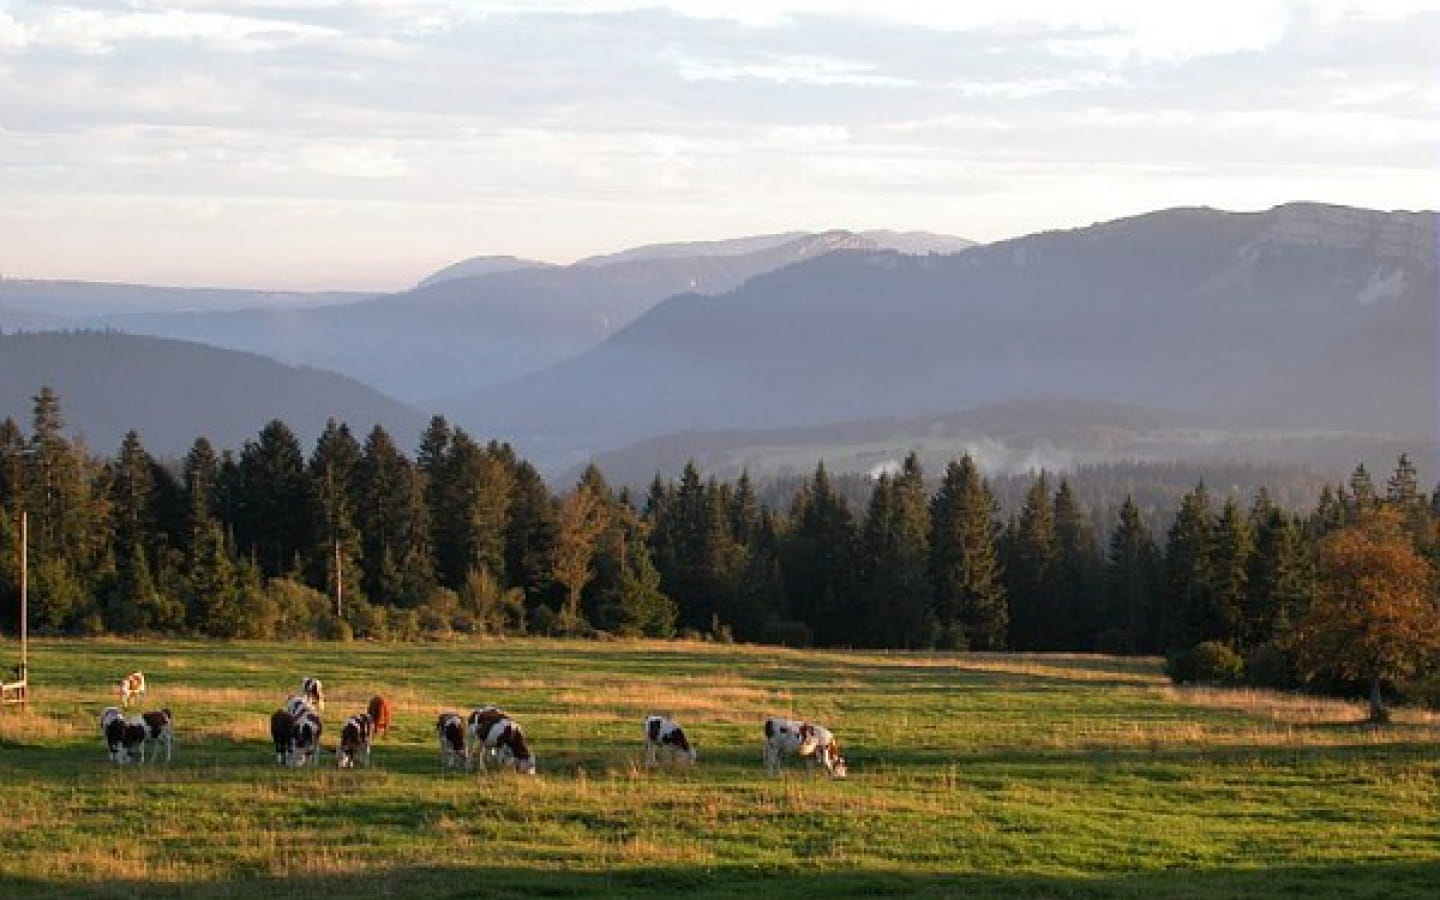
[1379, 715]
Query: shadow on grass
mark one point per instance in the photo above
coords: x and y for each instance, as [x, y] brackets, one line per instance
[1393, 881]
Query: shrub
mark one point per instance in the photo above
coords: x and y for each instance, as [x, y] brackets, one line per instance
[1267, 666]
[786, 633]
[1210, 662]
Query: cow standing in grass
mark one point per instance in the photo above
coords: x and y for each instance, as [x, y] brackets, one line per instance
[131, 688]
[305, 739]
[450, 729]
[159, 727]
[501, 739]
[311, 689]
[112, 726]
[282, 730]
[355, 737]
[665, 734]
[791, 737]
[379, 712]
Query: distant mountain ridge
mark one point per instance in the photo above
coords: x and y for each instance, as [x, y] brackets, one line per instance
[172, 392]
[459, 333]
[1306, 315]
[68, 301]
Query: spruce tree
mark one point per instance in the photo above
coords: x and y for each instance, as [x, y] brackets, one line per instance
[1032, 556]
[1232, 546]
[1078, 587]
[1187, 574]
[969, 601]
[1132, 576]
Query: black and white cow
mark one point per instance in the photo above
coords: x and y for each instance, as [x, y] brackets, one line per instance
[305, 739]
[450, 729]
[498, 737]
[112, 726]
[314, 691]
[298, 705]
[282, 731]
[791, 737]
[664, 733]
[131, 688]
[355, 737]
[159, 730]
[134, 739]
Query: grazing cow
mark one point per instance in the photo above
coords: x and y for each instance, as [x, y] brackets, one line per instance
[355, 737]
[132, 688]
[477, 725]
[305, 739]
[664, 733]
[790, 737]
[450, 729]
[313, 691]
[134, 738]
[379, 712]
[282, 732]
[502, 740]
[159, 730]
[112, 726]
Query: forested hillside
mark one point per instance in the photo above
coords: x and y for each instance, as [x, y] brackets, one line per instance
[356, 538]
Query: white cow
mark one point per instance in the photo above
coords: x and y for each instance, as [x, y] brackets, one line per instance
[791, 737]
[664, 733]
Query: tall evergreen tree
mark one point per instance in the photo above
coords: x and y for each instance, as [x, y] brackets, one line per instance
[1231, 549]
[1132, 576]
[1281, 579]
[817, 557]
[894, 594]
[1187, 575]
[530, 535]
[1078, 589]
[272, 519]
[335, 547]
[1032, 557]
[970, 606]
[393, 523]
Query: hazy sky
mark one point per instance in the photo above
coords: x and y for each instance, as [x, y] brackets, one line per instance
[362, 144]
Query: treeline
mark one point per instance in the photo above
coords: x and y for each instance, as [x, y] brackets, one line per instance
[357, 539]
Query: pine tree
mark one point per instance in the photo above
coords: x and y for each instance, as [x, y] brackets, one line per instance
[272, 519]
[1232, 546]
[1132, 576]
[1032, 557]
[1079, 584]
[1187, 574]
[1281, 580]
[818, 558]
[530, 536]
[394, 525]
[335, 547]
[969, 602]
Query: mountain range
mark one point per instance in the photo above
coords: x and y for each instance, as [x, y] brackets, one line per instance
[1305, 315]
[1183, 331]
[489, 319]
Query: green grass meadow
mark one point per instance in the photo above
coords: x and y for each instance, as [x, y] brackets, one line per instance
[971, 775]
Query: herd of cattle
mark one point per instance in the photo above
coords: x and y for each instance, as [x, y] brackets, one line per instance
[486, 736]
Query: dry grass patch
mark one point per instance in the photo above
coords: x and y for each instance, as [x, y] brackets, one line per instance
[22, 726]
[1292, 709]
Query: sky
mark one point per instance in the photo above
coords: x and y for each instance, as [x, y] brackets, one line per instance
[311, 144]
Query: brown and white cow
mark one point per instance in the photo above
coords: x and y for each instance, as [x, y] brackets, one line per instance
[450, 729]
[112, 726]
[355, 737]
[664, 733]
[791, 737]
[501, 739]
[131, 688]
[379, 712]
[159, 730]
[312, 690]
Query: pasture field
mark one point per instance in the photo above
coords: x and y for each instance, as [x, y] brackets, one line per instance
[971, 775]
